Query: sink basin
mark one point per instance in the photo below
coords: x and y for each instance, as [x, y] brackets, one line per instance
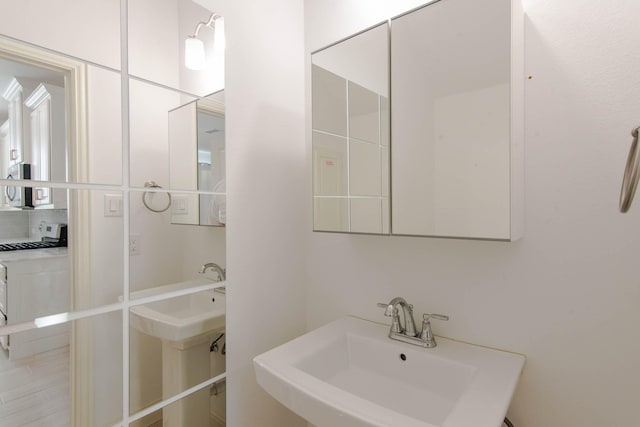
[179, 318]
[349, 373]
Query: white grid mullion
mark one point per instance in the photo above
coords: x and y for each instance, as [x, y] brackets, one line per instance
[166, 402]
[126, 199]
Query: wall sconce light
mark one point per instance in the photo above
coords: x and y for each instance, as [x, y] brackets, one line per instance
[194, 57]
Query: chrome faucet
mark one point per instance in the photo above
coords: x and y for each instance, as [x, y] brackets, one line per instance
[222, 274]
[406, 332]
[391, 310]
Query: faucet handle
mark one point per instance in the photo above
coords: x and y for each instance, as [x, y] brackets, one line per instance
[383, 305]
[392, 312]
[388, 309]
[426, 335]
[426, 317]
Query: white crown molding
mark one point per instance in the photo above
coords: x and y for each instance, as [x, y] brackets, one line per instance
[12, 90]
[39, 95]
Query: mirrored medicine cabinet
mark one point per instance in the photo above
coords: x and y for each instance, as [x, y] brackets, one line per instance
[417, 125]
[197, 161]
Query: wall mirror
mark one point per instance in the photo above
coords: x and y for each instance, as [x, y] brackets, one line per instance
[66, 310]
[350, 126]
[454, 121]
[197, 161]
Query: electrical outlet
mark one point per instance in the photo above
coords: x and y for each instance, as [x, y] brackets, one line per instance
[134, 244]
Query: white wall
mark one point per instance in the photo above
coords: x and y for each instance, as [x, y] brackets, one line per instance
[14, 225]
[87, 29]
[153, 40]
[567, 295]
[269, 201]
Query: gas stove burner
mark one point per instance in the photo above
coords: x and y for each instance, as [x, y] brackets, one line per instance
[53, 236]
[27, 245]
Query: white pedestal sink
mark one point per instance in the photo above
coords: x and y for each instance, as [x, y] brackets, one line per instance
[186, 325]
[185, 364]
[179, 318]
[350, 374]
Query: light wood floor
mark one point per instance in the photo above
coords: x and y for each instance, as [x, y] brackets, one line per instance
[34, 391]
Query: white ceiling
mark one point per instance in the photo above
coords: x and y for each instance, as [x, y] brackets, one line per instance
[10, 69]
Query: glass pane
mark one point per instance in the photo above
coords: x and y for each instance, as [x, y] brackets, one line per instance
[87, 29]
[97, 352]
[197, 145]
[36, 119]
[51, 257]
[149, 131]
[206, 407]
[96, 246]
[37, 376]
[104, 128]
[165, 256]
[34, 258]
[158, 33]
[176, 344]
[35, 385]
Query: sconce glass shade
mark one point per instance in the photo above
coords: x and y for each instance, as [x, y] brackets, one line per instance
[194, 54]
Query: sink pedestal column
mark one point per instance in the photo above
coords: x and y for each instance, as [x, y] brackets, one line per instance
[185, 364]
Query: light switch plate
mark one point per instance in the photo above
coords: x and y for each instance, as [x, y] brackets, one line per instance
[113, 205]
[180, 205]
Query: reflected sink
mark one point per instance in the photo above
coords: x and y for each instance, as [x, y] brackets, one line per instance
[179, 318]
[349, 373]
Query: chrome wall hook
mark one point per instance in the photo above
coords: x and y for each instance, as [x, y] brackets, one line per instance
[631, 174]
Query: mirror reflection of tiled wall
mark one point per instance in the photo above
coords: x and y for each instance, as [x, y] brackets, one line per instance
[350, 155]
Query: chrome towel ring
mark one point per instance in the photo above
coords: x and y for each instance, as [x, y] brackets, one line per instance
[153, 184]
[631, 174]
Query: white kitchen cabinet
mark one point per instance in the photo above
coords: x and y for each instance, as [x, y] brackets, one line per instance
[47, 144]
[34, 285]
[18, 133]
[5, 148]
